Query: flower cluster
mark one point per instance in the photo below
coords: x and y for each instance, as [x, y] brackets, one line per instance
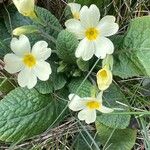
[93, 33]
[30, 64]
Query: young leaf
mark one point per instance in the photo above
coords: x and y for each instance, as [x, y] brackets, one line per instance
[66, 46]
[84, 91]
[83, 65]
[45, 87]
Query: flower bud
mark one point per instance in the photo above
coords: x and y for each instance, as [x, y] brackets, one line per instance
[25, 30]
[104, 78]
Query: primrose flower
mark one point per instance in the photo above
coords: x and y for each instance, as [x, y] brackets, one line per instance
[87, 107]
[104, 78]
[93, 32]
[75, 9]
[29, 63]
[25, 7]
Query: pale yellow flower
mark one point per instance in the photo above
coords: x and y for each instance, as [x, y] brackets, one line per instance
[93, 33]
[30, 64]
[88, 106]
[25, 7]
[104, 78]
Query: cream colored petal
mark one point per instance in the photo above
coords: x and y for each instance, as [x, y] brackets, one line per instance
[27, 78]
[88, 115]
[89, 16]
[42, 70]
[20, 46]
[104, 109]
[107, 26]
[100, 96]
[108, 19]
[74, 26]
[85, 50]
[25, 7]
[76, 103]
[103, 47]
[41, 51]
[13, 63]
[75, 7]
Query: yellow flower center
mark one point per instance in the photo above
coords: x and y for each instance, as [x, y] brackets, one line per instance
[91, 33]
[93, 104]
[29, 60]
[76, 15]
[103, 74]
[29, 14]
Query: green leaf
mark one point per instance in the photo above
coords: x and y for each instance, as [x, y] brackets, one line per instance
[44, 24]
[121, 139]
[137, 43]
[112, 95]
[4, 39]
[24, 113]
[59, 81]
[66, 46]
[123, 66]
[51, 26]
[3, 30]
[83, 65]
[4, 47]
[61, 100]
[45, 87]
[84, 91]
[132, 58]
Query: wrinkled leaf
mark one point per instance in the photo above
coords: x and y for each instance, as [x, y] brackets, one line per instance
[66, 46]
[24, 113]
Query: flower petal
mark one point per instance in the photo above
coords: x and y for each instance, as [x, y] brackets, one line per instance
[75, 7]
[74, 26]
[76, 103]
[103, 46]
[108, 26]
[85, 49]
[89, 16]
[20, 46]
[41, 51]
[42, 70]
[25, 7]
[27, 78]
[13, 63]
[88, 115]
[104, 109]
[99, 96]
